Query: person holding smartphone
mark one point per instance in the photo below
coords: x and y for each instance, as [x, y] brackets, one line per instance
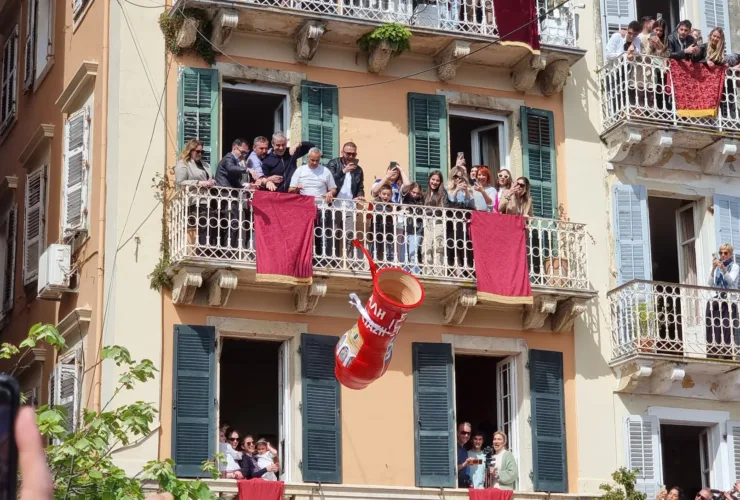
[476, 457]
[397, 178]
[681, 45]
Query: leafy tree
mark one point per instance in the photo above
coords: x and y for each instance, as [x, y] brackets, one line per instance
[80, 459]
[624, 489]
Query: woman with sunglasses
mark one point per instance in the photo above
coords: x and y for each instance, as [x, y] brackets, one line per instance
[250, 469]
[485, 194]
[503, 184]
[192, 170]
[229, 440]
[517, 200]
[722, 314]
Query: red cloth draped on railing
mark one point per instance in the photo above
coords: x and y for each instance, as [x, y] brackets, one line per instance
[500, 249]
[283, 236]
[514, 14]
[697, 88]
[259, 489]
[490, 494]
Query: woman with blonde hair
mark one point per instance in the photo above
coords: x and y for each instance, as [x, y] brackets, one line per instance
[517, 200]
[722, 322]
[502, 469]
[713, 52]
[191, 170]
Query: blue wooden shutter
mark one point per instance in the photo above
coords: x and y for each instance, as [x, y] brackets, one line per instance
[538, 148]
[320, 115]
[427, 136]
[727, 222]
[322, 423]
[198, 105]
[434, 423]
[631, 233]
[548, 421]
[193, 398]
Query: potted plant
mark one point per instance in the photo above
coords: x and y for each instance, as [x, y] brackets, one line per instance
[645, 321]
[386, 41]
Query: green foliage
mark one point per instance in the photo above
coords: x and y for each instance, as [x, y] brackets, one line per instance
[397, 36]
[170, 24]
[625, 486]
[165, 193]
[81, 460]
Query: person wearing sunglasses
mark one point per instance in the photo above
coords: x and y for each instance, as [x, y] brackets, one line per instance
[192, 170]
[722, 312]
[463, 461]
[250, 469]
[503, 184]
[517, 200]
[229, 440]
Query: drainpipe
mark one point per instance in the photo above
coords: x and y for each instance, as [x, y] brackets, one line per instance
[97, 375]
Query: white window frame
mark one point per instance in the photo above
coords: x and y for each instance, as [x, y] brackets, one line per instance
[76, 356]
[9, 82]
[84, 185]
[495, 119]
[262, 89]
[43, 42]
[31, 274]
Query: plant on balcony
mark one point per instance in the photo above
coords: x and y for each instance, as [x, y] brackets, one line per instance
[645, 321]
[164, 193]
[185, 28]
[79, 453]
[624, 489]
[382, 43]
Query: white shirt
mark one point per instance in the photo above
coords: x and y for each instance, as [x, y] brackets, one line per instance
[615, 47]
[315, 181]
[231, 457]
[345, 193]
[255, 163]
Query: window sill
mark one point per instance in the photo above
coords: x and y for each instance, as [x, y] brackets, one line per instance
[42, 76]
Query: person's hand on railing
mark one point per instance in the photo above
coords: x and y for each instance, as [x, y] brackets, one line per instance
[710, 63]
[328, 197]
[275, 179]
[631, 52]
[692, 50]
[207, 183]
[270, 185]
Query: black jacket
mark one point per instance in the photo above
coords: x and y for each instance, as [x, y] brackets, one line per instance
[284, 165]
[357, 183]
[229, 172]
[249, 467]
[676, 47]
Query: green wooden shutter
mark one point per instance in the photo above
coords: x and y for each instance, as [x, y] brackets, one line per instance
[538, 147]
[427, 136]
[197, 112]
[193, 398]
[322, 423]
[434, 423]
[320, 114]
[548, 421]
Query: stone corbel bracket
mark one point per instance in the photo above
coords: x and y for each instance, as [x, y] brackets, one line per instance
[450, 58]
[664, 376]
[655, 147]
[378, 59]
[536, 314]
[713, 157]
[552, 79]
[306, 297]
[632, 374]
[620, 145]
[224, 23]
[185, 283]
[307, 40]
[525, 72]
[220, 286]
[728, 388]
[566, 313]
[455, 305]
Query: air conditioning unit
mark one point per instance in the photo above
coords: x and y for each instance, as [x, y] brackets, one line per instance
[54, 271]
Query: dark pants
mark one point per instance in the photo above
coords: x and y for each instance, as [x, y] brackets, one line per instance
[230, 223]
[722, 323]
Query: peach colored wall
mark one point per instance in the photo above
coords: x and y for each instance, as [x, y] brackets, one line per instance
[377, 422]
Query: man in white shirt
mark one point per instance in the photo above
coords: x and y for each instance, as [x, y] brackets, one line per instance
[629, 42]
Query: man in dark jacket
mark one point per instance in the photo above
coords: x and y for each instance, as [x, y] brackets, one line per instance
[230, 173]
[350, 181]
[681, 44]
[279, 162]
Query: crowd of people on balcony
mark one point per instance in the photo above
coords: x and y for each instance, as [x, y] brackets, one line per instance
[490, 467]
[651, 36]
[245, 458]
[408, 223]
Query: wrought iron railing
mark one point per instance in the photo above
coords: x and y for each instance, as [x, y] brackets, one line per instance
[641, 90]
[666, 319]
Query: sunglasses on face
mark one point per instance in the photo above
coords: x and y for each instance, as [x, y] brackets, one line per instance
[199, 151]
[724, 253]
[350, 154]
[465, 433]
[249, 443]
[234, 439]
[503, 176]
[521, 184]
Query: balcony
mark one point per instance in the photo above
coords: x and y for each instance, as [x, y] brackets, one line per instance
[556, 255]
[677, 339]
[640, 124]
[437, 33]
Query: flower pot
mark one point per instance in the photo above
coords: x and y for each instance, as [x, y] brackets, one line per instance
[188, 32]
[556, 271]
[379, 57]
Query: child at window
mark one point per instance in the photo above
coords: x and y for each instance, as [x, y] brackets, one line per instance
[265, 457]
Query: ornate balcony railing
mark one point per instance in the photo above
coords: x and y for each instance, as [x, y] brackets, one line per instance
[665, 319]
[458, 16]
[641, 90]
[216, 225]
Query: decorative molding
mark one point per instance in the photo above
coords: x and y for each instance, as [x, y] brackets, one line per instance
[76, 322]
[713, 157]
[536, 314]
[307, 296]
[185, 283]
[664, 375]
[728, 387]
[620, 145]
[39, 140]
[525, 72]
[246, 73]
[655, 146]
[552, 79]
[307, 40]
[567, 311]
[455, 305]
[378, 59]
[81, 84]
[8, 182]
[450, 57]
[220, 286]
[631, 374]
[224, 23]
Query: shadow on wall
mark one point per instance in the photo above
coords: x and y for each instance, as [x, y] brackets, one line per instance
[588, 84]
